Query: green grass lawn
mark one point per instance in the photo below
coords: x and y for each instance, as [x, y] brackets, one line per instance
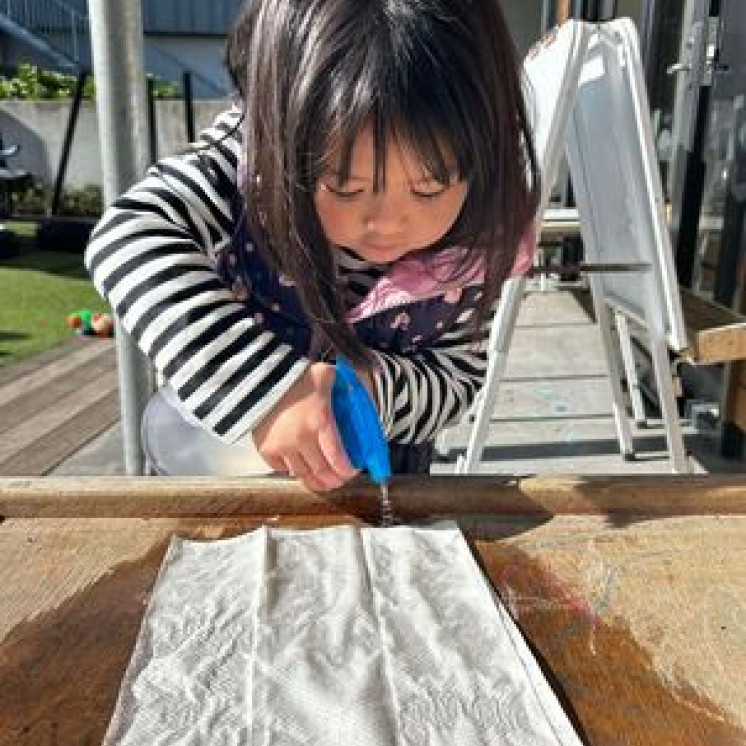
[38, 289]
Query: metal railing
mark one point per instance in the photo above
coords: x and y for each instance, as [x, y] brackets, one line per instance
[66, 30]
[63, 27]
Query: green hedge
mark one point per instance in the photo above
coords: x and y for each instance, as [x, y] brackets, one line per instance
[85, 201]
[31, 83]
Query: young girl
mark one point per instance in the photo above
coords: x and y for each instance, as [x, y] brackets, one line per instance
[367, 198]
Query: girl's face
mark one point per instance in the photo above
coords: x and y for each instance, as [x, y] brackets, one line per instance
[411, 212]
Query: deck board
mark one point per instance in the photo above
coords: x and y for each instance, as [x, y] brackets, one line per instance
[53, 406]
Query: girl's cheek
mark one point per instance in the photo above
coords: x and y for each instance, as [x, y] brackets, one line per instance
[337, 221]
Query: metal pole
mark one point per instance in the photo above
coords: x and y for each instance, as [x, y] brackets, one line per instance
[189, 106]
[152, 121]
[121, 104]
[547, 15]
[74, 34]
[72, 123]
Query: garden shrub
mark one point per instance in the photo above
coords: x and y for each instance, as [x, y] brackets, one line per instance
[31, 83]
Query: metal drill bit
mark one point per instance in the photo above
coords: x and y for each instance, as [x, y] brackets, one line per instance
[387, 509]
[610, 267]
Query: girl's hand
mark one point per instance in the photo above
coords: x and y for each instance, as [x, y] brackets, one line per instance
[300, 436]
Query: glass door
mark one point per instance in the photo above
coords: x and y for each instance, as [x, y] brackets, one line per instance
[678, 38]
[719, 259]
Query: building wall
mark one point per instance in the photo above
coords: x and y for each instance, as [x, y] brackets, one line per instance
[12, 52]
[39, 128]
[169, 56]
[181, 16]
[189, 16]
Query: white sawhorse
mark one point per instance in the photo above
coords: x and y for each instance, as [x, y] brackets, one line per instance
[599, 79]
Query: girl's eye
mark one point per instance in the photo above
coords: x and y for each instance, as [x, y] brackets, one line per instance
[342, 193]
[429, 195]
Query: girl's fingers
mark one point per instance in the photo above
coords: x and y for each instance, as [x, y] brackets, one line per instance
[298, 467]
[320, 468]
[325, 458]
[275, 463]
[333, 450]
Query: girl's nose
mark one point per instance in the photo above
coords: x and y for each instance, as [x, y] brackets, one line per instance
[383, 215]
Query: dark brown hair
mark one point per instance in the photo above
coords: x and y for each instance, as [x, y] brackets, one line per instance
[442, 75]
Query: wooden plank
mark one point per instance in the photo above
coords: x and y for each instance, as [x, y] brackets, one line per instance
[49, 449]
[413, 497]
[26, 433]
[50, 386]
[705, 314]
[60, 666]
[38, 372]
[13, 371]
[719, 345]
[638, 625]
[717, 334]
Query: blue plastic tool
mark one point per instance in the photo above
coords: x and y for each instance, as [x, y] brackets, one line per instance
[359, 425]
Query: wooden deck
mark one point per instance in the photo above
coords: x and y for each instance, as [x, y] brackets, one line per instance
[55, 403]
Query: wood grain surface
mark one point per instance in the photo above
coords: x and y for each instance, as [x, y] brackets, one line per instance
[53, 404]
[413, 497]
[633, 600]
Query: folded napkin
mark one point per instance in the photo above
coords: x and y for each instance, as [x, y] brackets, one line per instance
[332, 637]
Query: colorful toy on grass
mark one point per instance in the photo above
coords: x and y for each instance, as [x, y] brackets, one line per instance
[91, 323]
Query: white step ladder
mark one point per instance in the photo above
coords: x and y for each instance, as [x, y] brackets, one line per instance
[588, 94]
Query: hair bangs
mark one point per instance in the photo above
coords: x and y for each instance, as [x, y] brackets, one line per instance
[399, 84]
[426, 131]
[347, 108]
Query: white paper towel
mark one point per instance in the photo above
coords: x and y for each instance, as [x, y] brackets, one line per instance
[332, 637]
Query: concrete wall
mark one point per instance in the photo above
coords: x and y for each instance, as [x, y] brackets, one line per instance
[39, 128]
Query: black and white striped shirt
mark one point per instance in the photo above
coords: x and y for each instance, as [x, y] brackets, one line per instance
[152, 256]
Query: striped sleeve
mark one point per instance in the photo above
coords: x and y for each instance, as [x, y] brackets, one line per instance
[422, 393]
[152, 257]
